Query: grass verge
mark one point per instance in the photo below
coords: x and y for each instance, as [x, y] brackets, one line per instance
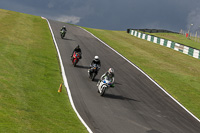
[176, 72]
[30, 78]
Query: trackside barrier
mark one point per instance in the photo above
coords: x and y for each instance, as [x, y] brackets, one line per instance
[167, 43]
[65, 79]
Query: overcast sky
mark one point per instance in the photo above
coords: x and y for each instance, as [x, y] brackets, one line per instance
[171, 15]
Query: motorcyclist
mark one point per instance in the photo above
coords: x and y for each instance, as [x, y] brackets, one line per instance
[95, 61]
[63, 28]
[63, 31]
[77, 50]
[110, 75]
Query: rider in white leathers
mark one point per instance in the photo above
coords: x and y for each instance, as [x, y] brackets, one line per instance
[110, 75]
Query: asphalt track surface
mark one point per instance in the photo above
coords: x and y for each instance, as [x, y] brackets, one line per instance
[135, 105]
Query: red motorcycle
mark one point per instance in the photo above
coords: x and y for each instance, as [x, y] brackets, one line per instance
[76, 58]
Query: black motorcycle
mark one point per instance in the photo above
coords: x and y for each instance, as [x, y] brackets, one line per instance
[62, 33]
[93, 71]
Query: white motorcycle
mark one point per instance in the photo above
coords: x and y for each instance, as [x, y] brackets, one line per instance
[104, 85]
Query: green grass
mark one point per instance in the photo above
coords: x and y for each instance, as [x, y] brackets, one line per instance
[30, 75]
[176, 72]
[30, 78]
[179, 38]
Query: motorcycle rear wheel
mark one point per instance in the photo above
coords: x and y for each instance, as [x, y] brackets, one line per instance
[93, 76]
[74, 62]
[62, 35]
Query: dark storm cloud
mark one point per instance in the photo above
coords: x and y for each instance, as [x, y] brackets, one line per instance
[114, 14]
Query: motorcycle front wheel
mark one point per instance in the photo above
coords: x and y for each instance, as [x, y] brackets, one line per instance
[102, 92]
[75, 62]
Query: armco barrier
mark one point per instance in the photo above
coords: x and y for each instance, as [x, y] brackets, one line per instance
[153, 31]
[167, 43]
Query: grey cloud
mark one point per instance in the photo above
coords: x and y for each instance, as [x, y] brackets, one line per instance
[113, 14]
[68, 19]
[194, 18]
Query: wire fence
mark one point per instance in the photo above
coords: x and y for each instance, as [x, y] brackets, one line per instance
[193, 36]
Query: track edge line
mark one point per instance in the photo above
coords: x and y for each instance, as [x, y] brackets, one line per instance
[65, 79]
[144, 74]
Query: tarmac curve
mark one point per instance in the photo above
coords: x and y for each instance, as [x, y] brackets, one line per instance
[135, 105]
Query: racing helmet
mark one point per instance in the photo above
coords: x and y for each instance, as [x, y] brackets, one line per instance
[110, 71]
[96, 58]
[63, 26]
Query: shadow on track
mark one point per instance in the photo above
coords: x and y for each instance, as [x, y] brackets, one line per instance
[119, 97]
[68, 39]
[95, 80]
[84, 67]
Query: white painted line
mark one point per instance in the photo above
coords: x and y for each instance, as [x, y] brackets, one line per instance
[176, 46]
[143, 36]
[196, 53]
[65, 80]
[169, 44]
[145, 75]
[185, 50]
[148, 37]
[155, 40]
[162, 42]
[132, 32]
[139, 34]
[135, 33]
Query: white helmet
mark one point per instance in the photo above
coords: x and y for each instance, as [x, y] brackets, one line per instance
[96, 58]
[111, 71]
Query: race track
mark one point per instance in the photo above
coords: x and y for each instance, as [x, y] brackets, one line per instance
[135, 105]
